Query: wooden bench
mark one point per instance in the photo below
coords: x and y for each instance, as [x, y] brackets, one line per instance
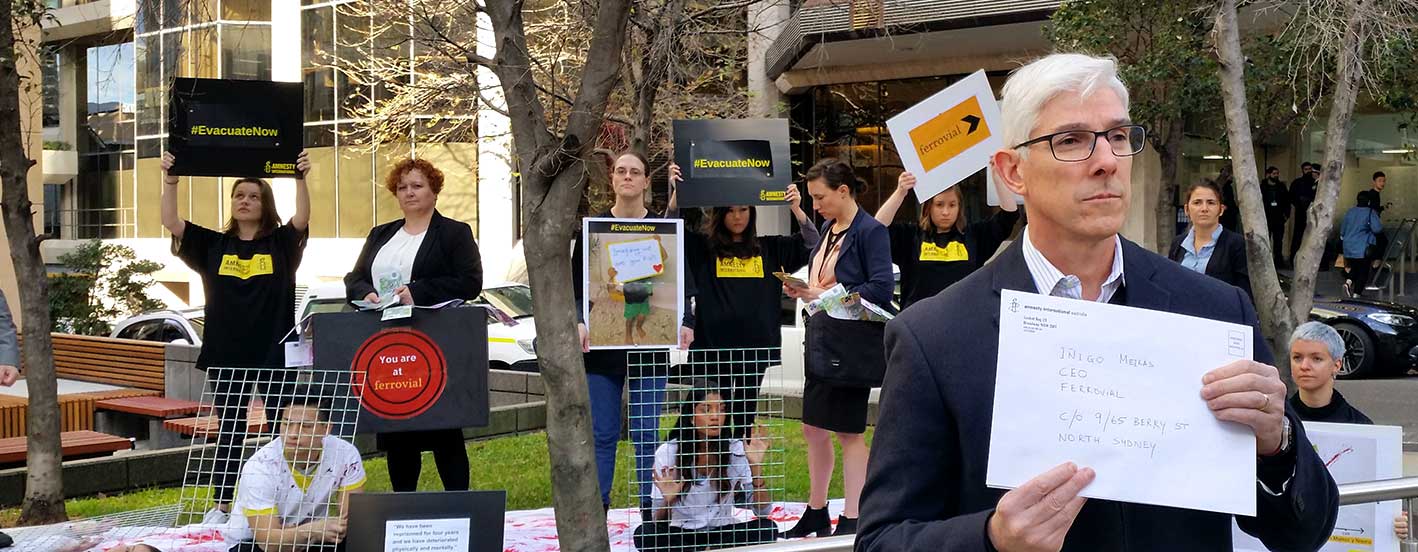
[207, 426]
[74, 444]
[152, 407]
[12, 416]
[113, 361]
[143, 417]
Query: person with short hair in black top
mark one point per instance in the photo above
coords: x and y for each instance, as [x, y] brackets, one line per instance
[421, 259]
[1316, 355]
[738, 299]
[248, 274]
[943, 247]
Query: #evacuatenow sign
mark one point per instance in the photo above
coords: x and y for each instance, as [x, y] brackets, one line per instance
[219, 127]
[732, 161]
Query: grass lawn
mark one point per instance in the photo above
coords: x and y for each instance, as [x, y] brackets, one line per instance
[517, 464]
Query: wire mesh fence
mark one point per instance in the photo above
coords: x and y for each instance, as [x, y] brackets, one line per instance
[275, 478]
[708, 448]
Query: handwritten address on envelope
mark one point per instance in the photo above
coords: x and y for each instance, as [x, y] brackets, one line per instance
[1118, 389]
[636, 259]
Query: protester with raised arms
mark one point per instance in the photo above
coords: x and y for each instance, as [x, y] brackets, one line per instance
[248, 276]
[1069, 144]
[738, 304]
[701, 474]
[943, 247]
[607, 372]
[422, 259]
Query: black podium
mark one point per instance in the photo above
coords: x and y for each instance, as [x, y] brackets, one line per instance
[427, 371]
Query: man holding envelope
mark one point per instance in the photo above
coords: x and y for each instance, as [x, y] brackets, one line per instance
[1069, 146]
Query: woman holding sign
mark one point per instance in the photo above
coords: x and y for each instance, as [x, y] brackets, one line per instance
[248, 274]
[855, 253]
[607, 373]
[422, 259]
[737, 306]
[944, 247]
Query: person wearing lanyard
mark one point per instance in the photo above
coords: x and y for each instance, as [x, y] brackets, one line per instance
[422, 259]
[1208, 247]
[943, 248]
[607, 373]
[854, 252]
[248, 276]
[737, 307]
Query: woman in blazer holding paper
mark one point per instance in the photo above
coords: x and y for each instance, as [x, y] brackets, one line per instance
[422, 259]
[855, 252]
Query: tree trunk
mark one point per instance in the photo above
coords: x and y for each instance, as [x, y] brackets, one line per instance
[1169, 153]
[553, 178]
[1279, 316]
[1276, 318]
[1320, 217]
[44, 489]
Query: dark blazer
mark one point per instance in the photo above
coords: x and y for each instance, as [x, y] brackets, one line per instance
[447, 265]
[1227, 262]
[925, 487]
[864, 264]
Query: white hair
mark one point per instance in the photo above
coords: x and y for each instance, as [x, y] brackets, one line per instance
[1322, 334]
[1033, 85]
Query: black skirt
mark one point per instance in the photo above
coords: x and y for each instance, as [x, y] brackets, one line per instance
[835, 408]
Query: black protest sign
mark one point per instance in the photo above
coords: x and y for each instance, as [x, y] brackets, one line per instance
[732, 161]
[222, 127]
[428, 371]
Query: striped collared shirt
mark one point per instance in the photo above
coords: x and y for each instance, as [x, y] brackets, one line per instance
[1053, 282]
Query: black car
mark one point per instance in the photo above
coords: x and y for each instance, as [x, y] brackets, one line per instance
[1380, 338]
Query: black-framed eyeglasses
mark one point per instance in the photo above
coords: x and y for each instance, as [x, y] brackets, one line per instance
[1077, 145]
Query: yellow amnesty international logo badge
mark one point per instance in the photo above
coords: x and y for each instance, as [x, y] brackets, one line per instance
[953, 251]
[237, 267]
[772, 195]
[280, 168]
[734, 267]
[946, 135]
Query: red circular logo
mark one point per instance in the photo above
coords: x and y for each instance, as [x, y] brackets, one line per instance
[400, 373]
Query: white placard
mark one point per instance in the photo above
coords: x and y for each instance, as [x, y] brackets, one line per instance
[427, 535]
[948, 136]
[1098, 385]
[1353, 453]
[636, 259]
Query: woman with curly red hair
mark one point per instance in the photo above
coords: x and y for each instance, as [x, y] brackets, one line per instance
[421, 259]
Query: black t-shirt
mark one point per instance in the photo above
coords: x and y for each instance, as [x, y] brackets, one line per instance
[739, 300]
[1338, 411]
[250, 291]
[611, 361]
[932, 261]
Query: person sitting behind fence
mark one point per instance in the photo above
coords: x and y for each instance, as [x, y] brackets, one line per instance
[1316, 355]
[700, 476]
[287, 488]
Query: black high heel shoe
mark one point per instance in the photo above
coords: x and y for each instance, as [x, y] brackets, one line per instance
[845, 526]
[814, 522]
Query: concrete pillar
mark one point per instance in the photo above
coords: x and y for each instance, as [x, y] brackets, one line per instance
[497, 197]
[766, 19]
[74, 96]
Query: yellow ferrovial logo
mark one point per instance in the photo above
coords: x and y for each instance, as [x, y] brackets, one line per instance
[237, 267]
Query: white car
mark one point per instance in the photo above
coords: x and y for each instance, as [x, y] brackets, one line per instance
[508, 347]
[166, 326]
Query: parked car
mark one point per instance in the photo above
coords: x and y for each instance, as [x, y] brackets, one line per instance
[508, 347]
[166, 326]
[1380, 338]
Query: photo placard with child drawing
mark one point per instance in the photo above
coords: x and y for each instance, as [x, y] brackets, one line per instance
[634, 278]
